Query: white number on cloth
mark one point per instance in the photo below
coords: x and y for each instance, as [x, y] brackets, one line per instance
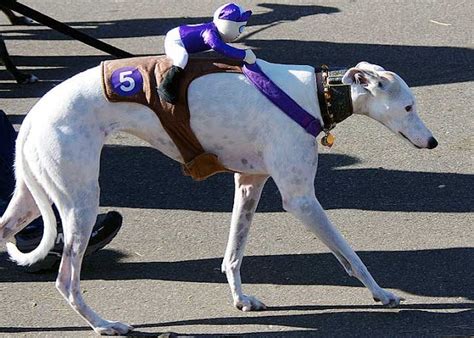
[124, 78]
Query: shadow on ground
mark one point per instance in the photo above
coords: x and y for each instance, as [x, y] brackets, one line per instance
[403, 323]
[345, 324]
[53, 70]
[138, 28]
[141, 177]
[431, 273]
[433, 65]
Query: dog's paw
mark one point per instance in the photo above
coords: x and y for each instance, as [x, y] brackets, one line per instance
[109, 328]
[249, 303]
[388, 299]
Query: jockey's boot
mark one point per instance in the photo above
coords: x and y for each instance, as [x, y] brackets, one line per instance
[168, 89]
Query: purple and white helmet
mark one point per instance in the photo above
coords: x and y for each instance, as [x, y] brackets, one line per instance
[230, 20]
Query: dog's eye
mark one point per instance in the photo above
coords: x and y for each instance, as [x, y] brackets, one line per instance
[380, 84]
[408, 108]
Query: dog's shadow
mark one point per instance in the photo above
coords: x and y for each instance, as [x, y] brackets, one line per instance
[344, 321]
[141, 177]
[431, 272]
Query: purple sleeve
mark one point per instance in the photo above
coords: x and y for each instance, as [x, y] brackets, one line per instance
[213, 39]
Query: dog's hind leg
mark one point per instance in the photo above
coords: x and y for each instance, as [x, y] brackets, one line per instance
[20, 212]
[67, 167]
[76, 196]
[248, 189]
[78, 220]
[296, 186]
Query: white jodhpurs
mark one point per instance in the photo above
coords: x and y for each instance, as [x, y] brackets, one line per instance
[174, 48]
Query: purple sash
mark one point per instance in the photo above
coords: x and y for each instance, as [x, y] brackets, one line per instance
[280, 99]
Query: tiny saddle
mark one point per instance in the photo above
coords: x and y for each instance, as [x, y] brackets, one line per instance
[136, 80]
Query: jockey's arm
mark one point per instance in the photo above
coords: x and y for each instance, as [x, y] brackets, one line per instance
[213, 39]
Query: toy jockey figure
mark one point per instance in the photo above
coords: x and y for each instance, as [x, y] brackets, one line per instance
[228, 23]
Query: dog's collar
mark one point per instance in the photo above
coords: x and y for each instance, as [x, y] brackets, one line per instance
[335, 101]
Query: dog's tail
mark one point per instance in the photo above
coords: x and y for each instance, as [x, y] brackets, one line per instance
[42, 201]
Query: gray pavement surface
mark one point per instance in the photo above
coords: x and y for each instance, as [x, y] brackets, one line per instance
[407, 212]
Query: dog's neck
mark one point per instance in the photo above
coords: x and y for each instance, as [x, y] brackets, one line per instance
[335, 98]
[359, 101]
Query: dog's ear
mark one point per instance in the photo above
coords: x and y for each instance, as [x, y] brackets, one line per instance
[364, 74]
[357, 76]
[366, 79]
[349, 77]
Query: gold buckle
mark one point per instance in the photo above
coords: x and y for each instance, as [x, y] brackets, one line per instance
[328, 139]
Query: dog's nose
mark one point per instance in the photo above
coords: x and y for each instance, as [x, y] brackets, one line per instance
[432, 143]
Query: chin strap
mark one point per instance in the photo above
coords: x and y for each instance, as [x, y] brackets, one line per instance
[335, 100]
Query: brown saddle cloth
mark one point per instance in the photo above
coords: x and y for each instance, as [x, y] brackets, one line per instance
[175, 118]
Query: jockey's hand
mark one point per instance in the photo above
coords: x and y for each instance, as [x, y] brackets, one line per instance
[249, 56]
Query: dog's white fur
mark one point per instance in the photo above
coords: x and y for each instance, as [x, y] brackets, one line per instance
[60, 142]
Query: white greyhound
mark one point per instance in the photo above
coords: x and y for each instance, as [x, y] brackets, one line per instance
[60, 141]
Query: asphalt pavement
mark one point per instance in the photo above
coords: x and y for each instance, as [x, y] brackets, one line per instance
[407, 212]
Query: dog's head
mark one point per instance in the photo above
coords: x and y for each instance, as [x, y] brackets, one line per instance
[385, 97]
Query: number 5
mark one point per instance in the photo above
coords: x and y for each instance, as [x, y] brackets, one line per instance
[124, 78]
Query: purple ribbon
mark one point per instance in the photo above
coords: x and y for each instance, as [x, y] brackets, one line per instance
[279, 98]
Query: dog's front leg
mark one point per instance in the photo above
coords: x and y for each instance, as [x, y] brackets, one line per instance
[296, 186]
[248, 189]
[310, 212]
